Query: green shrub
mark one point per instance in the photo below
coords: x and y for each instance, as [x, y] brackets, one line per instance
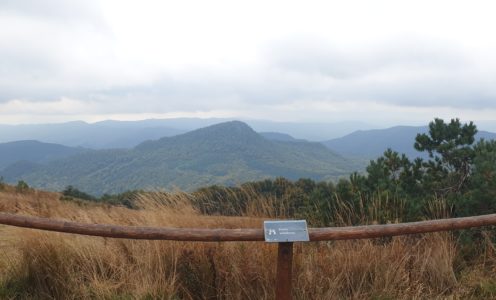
[71, 192]
[22, 186]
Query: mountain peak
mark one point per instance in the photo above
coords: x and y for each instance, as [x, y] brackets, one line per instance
[230, 125]
[231, 129]
[232, 133]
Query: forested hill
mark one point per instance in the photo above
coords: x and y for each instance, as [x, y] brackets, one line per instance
[227, 153]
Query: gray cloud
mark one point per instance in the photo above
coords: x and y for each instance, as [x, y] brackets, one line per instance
[314, 56]
[403, 71]
[45, 46]
[64, 49]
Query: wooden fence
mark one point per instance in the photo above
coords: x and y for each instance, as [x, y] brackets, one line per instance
[285, 250]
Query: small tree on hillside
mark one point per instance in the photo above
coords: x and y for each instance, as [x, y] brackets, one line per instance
[450, 148]
[481, 198]
[22, 186]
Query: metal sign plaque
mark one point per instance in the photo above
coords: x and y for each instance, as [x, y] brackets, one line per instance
[286, 231]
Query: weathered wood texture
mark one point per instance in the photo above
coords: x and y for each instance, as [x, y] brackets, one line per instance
[284, 271]
[374, 231]
[215, 235]
[134, 232]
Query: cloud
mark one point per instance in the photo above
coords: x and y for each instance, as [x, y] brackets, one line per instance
[55, 48]
[84, 57]
[64, 106]
[346, 62]
[406, 71]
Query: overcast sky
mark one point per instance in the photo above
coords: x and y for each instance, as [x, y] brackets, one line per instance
[382, 62]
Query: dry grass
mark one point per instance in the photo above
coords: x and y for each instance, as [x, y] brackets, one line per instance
[41, 265]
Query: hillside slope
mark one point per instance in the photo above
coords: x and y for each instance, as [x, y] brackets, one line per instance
[227, 153]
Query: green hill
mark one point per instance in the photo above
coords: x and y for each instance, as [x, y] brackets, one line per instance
[227, 153]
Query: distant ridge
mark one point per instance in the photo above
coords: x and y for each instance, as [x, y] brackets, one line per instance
[33, 151]
[101, 135]
[227, 153]
[372, 143]
[127, 134]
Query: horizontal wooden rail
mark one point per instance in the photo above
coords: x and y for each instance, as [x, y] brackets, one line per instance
[216, 235]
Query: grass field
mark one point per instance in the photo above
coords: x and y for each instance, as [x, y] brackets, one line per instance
[46, 265]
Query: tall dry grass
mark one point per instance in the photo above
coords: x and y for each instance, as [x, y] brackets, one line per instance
[42, 265]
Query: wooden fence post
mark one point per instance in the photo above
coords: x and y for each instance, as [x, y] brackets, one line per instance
[284, 271]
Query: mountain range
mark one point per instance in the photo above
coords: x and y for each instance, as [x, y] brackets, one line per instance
[101, 135]
[127, 134]
[228, 153]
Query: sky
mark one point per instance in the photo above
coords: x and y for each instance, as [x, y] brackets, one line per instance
[379, 62]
